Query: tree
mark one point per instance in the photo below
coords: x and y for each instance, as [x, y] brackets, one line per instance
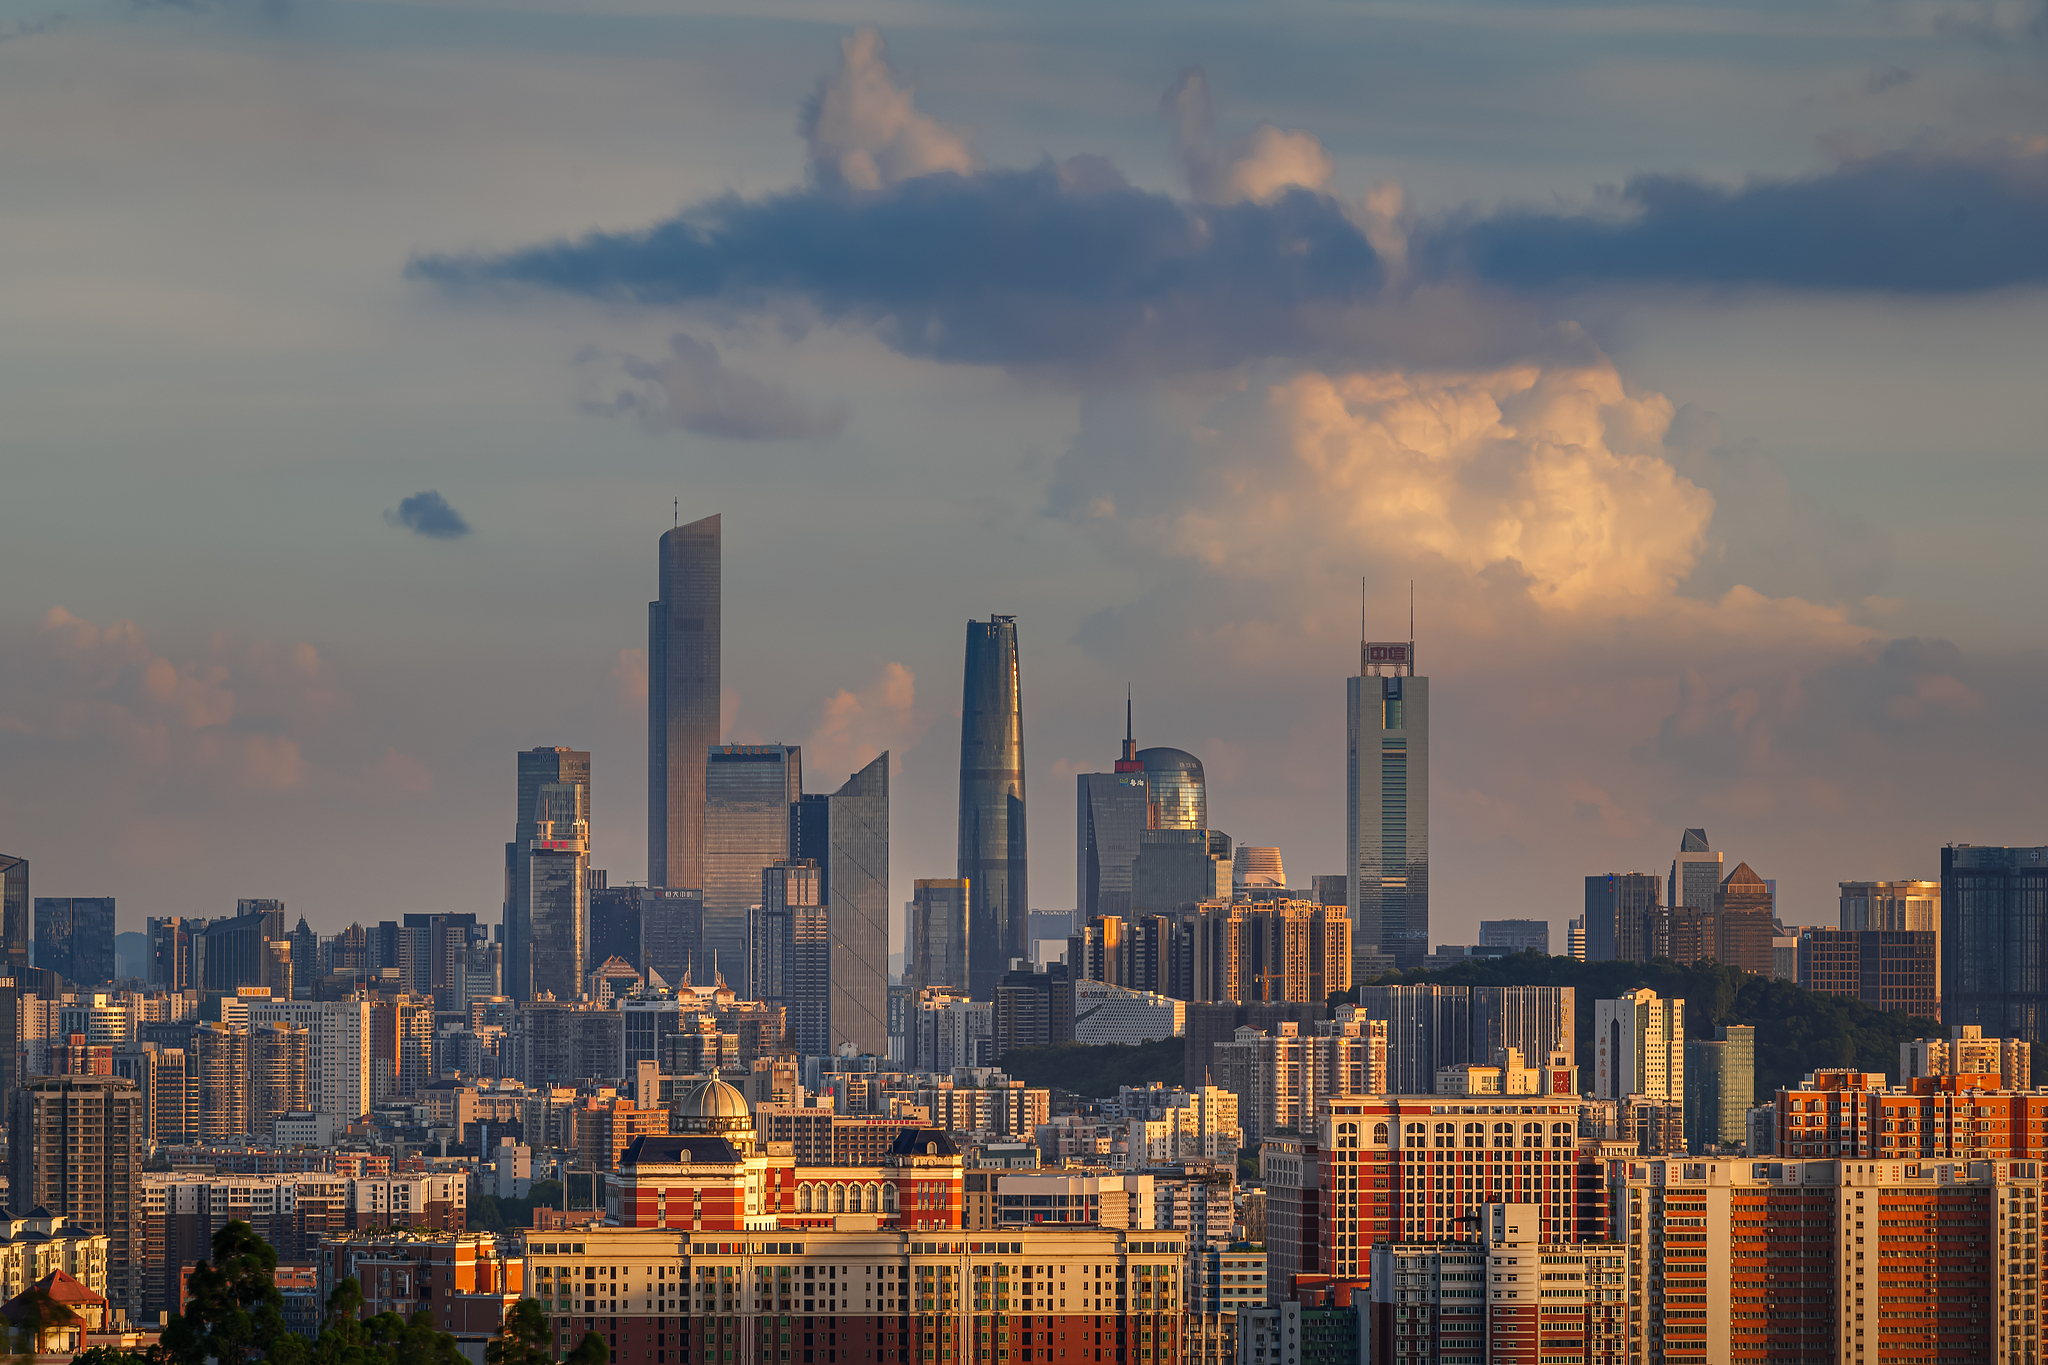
[234, 1310]
[589, 1351]
[33, 1312]
[527, 1337]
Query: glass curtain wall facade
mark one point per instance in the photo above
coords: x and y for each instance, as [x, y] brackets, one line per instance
[14, 913]
[672, 933]
[1177, 792]
[748, 790]
[1621, 915]
[558, 889]
[1994, 920]
[75, 937]
[1110, 816]
[788, 951]
[539, 767]
[1695, 877]
[1912, 906]
[992, 848]
[684, 629]
[1388, 806]
[937, 952]
[856, 893]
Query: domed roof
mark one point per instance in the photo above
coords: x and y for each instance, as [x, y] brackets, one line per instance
[715, 1100]
[1166, 760]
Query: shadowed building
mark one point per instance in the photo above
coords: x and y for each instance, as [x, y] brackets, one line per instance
[683, 635]
[748, 792]
[1695, 873]
[1994, 934]
[538, 768]
[75, 937]
[856, 890]
[1387, 800]
[1743, 910]
[936, 954]
[992, 837]
[1111, 815]
[1622, 916]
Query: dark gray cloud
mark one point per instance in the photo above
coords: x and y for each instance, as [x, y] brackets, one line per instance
[1024, 268]
[696, 391]
[1908, 222]
[429, 514]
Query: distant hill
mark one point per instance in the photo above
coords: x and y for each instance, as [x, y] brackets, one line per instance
[1797, 1031]
[1096, 1070]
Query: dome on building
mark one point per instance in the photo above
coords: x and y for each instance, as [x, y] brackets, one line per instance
[715, 1107]
[1177, 790]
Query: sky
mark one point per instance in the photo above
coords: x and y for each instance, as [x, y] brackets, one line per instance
[1685, 357]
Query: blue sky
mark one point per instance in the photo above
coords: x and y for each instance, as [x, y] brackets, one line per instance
[1684, 354]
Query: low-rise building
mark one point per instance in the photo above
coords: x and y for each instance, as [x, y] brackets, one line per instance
[463, 1280]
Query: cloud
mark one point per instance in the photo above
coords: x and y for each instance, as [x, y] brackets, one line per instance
[864, 133]
[695, 391]
[1901, 222]
[403, 772]
[103, 697]
[856, 726]
[1259, 167]
[629, 680]
[429, 514]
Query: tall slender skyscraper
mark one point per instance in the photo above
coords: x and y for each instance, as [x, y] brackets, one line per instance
[857, 892]
[538, 769]
[992, 843]
[683, 631]
[14, 914]
[558, 889]
[1387, 835]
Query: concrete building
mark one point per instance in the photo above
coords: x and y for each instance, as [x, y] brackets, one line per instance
[1967, 1052]
[1113, 1014]
[1639, 1047]
[1272, 952]
[76, 1147]
[465, 1282]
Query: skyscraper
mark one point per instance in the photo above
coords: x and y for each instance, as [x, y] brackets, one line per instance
[557, 918]
[1639, 1047]
[790, 952]
[857, 893]
[683, 634]
[75, 937]
[1387, 833]
[538, 768]
[1695, 876]
[748, 790]
[14, 914]
[936, 954]
[992, 838]
[1994, 934]
[1621, 916]
[1111, 812]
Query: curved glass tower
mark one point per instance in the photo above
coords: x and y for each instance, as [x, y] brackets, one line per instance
[992, 846]
[1177, 793]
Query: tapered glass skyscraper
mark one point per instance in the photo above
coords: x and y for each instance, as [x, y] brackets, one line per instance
[1387, 833]
[992, 844]
[683, 631]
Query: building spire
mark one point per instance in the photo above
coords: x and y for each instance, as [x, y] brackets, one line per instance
[1129, 762]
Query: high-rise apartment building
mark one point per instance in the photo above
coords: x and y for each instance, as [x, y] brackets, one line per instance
[684, 631]
[1720, 1089]
[993, 844]
[1621, 915]
[75, 937]
[1503, 1296]
[1759, 1261]
[221, 1054]
[1967, 1052]
[553, 819]
[1280, 1077]
[1112, 811]
[1387, 804]
[936, 954]
[1271, 952]
[1639, 1047]
[749, 790]
[1994, 939]
[338, 1042]
[276, 1076]
[76, 1144]
[1848, 1114]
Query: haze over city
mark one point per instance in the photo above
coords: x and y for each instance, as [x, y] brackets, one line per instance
[356, 356]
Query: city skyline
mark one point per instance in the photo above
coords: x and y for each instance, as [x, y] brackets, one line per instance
[317, 604]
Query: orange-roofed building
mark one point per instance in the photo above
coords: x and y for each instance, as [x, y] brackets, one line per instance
[57, 1313]
[1943, 1118]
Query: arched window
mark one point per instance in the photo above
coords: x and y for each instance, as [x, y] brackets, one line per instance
[871, 1199]
[1532, 1135]
[1561, 1135]
[839, 1199]
[1475, 1135]
[1414, 1136]
[803, 1199]
[888, 1199]
[1379, 1135]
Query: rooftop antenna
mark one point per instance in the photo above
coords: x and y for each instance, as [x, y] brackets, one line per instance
[1411, 627]
[1361, 627]
[679, 511]
[1129, 762]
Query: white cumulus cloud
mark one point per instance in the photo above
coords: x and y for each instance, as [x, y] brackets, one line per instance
[864, 130]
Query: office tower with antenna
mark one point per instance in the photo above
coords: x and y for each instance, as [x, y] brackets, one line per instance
[1387, 800]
